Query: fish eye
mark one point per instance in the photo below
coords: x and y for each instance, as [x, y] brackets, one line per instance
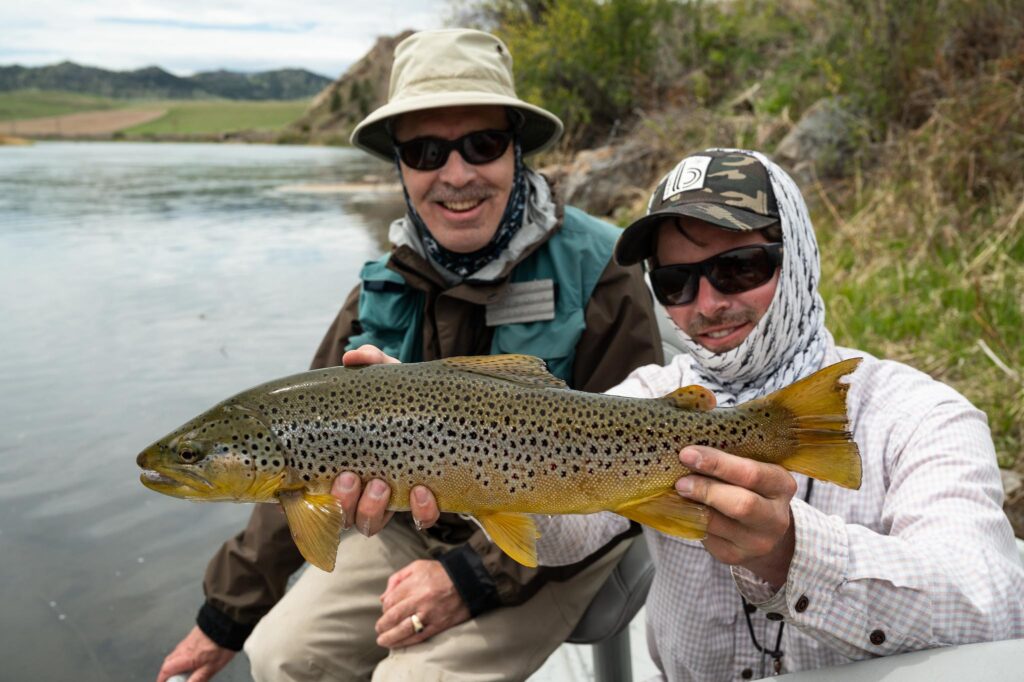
[188, 455]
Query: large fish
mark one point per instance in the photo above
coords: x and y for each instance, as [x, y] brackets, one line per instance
[496, 437]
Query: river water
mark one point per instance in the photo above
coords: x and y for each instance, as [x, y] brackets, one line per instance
[139, 285]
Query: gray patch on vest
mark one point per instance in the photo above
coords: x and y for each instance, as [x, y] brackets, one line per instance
[523, 302]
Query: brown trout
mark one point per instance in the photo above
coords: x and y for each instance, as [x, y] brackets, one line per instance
[495, 437]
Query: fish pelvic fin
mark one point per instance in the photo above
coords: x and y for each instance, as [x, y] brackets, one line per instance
[825, 449]
[669, 513]
[692, 398]
[521, 369]
[315, 522]
[515, 534]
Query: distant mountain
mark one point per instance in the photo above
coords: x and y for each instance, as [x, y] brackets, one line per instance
[280, 84]
[154, 82]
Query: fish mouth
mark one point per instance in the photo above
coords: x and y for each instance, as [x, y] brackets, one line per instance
[176, 483]
[153, 477]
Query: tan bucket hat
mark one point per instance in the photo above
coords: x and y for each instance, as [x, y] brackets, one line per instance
[449, 68]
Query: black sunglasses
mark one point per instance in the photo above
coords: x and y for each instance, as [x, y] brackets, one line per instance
[731, 272]
[430, 153]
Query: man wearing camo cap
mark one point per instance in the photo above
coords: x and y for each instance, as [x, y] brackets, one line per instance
[796, 576]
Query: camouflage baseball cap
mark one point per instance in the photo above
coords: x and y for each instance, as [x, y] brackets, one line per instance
[728, 189]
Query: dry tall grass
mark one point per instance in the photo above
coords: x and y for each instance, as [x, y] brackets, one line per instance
[925, 254]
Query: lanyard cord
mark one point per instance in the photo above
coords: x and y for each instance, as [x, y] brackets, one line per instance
[775, 653]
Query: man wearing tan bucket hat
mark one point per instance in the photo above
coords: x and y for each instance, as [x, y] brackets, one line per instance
[485, 261]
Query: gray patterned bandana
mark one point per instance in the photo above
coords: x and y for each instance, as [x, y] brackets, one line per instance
[790, 340]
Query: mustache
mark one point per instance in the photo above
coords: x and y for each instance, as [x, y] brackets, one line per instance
[475, 191]
[729, 318]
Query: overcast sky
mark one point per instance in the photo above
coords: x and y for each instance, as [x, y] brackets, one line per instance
[185, 36]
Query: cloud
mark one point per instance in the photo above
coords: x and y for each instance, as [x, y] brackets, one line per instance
[185, 36]
[304, 27]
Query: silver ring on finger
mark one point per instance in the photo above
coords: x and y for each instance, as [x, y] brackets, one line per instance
[417, 624]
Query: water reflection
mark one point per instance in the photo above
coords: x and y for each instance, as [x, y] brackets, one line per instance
[140, 284]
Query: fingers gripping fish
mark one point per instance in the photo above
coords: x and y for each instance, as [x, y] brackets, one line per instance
[494, 437]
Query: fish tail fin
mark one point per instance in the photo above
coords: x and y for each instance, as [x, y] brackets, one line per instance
[816, 406]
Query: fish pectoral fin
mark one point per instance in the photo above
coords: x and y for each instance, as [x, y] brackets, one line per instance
[315, 522]
[692, 398]
[669, 513]
[515, 534]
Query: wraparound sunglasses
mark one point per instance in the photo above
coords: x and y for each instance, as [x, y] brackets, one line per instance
[731, 272]
[430, 153]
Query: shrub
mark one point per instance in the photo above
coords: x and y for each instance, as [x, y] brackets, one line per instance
[591, 62]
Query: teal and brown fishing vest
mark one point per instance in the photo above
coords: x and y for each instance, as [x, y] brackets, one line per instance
[391, 312]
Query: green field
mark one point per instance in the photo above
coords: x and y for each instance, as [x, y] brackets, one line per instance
[184, 117]
[18, 104]
[216, 116]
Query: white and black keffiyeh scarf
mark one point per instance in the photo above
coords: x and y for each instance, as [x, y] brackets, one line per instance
[790, 340]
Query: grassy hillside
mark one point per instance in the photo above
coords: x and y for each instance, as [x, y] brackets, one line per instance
[212, 117]
[203, 118]
[35, 103]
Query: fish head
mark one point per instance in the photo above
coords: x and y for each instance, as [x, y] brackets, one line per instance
[227, 453]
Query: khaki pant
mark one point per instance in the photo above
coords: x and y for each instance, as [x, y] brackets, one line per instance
[323, 627]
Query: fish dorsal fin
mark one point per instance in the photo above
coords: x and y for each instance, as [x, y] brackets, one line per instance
[515, 534]
[669, 513]
[315, 522]
[692, 398]
[522, 369]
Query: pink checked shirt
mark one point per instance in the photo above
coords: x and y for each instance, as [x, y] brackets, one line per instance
[921, 556]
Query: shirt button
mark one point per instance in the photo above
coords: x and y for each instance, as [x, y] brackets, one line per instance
[773, 616]
[877, 637]
[801, 604]
[747, 673]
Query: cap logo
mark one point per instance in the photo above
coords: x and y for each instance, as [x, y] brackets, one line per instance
[688, 175]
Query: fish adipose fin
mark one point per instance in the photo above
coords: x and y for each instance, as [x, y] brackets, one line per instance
[515, 534]
[316, 522]
[692, 398]
[825, 449]
[669, 513]
[522, 369]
